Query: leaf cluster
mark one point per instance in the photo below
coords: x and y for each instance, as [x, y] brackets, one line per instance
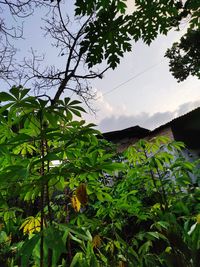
[184, 57]
[67, 199]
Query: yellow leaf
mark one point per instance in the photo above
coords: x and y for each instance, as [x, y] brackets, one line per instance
[24, 223]
[26, 228]
[198, 218]
[81, 194]
[76, 204]
[31, 225]
[96, 241]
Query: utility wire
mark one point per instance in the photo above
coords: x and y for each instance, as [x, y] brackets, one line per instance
[132, 78]
[147, 69]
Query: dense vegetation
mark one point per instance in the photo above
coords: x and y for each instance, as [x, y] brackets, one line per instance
[67, 199]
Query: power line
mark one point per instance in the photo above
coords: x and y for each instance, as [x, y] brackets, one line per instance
[132, 78]
[145, 70]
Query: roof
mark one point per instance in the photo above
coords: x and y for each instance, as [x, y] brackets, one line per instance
[132, 132]
[185, 128]
[179, 120]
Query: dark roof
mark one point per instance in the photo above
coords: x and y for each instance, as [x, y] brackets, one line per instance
[185, 128]
[179, 120]
[135, 131]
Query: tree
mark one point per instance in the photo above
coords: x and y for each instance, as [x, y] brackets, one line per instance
[34, 134]
[98, 32]
[185, 56]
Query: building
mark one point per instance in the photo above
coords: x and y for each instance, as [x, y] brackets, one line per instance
[185, 128]
[126, 137]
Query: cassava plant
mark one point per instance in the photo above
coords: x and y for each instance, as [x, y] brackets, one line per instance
[48, 160]
[65, 199]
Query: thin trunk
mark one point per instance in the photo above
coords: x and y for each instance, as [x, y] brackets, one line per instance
[164, 196]
[42, 227]
[154, 183]
[69, 254]
[42, 172]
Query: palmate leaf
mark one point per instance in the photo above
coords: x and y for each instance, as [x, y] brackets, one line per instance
[52, 118]
[15, 93]
[30, 193]
[24, 149]
[87, 7]
[72, 107]
[144, 249]
[112, 166]
[6, 97]
[5, 107]
[9, 215]
[160, 225]
[31, 225]
[5, 133]
[79, 232]
[73, 102]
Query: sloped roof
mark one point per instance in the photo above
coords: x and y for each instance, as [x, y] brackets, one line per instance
[131, 132]
[179, 120]
[185, 128]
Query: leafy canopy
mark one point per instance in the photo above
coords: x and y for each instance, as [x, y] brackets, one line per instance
[109, 35]
[67, 199]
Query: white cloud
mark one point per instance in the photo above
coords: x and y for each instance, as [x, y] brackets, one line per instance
[103, 105]
[105, 108]
[149, 121]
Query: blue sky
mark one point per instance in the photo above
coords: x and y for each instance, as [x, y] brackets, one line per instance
[150, 99]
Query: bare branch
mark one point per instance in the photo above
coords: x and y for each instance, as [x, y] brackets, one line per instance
[70, 72]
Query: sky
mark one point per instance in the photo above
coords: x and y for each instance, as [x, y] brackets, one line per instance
[140, 91]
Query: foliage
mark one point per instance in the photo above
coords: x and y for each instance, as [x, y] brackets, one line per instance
[108, 36]
[185, 56]
[59, 208]
[35, 193]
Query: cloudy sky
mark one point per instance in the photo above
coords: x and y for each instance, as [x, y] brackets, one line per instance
[141, 91]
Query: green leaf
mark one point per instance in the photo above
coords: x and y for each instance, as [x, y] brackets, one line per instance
[53, 240]
[26, 250]
[154, 234]
[24, 92]
[15, 91]
[192, 228]
[112, 166]
[145, 247]
[6, 97]
[74, 102]
[160, 225]
[77, 259]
